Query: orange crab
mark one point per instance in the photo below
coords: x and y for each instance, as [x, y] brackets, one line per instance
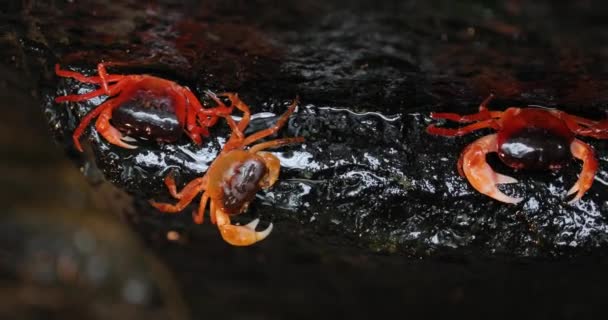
[526, 138]
[142, 92]
[234, 178]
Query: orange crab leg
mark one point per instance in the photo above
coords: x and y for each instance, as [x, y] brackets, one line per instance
[239, 235]
[170, 183]
[472, 164]
[185, 196]
[239, 104]
[199, 216]
[584, 152]
[275, 143]
[274, 167]
[491, 123]
[280, 123]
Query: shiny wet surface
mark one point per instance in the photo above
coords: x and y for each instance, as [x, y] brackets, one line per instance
[369, 191]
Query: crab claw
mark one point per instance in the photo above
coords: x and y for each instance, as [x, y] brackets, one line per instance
[584, 152]
[110, 133]
[244, 235]
[479, 174]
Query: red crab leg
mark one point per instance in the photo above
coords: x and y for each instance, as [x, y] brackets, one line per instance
[187, 112]
[81, 97]
[584, 152]
[598, 131]
[209, 117]
[588, 128]
[103, 74]
[82, 78]
[239, 235]
[483, 106]
[491, 123]
[185, 196]
[472, 164]
[106, 130]
[110, 104]
[206, 117]
[483, 113]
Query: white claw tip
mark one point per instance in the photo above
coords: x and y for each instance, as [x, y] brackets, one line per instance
[263, 234]
[251, 225]
[128, 139]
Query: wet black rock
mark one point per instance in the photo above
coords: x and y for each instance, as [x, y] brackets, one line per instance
[368, 79]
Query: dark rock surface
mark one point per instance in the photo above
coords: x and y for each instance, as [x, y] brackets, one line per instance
[369, 190]
[368, 79]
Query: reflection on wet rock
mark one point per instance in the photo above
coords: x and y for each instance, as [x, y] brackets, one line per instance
[367, 79]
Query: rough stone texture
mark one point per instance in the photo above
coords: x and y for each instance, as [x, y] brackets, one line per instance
[368, 79]
[368, 179]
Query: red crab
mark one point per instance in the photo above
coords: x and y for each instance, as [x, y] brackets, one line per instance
[526, 138]
[234, 178]
[141, 92]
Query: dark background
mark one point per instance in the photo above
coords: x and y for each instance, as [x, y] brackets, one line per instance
[344, 249]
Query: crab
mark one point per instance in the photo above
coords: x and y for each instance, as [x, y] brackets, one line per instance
[139, 93]
[234, 178]
[532, 137]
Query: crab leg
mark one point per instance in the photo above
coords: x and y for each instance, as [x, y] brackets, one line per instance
[483, 113]
[198, 217]
[82, 78]
[239, 104]
[237, 135]
[274, 167]
[584, 152]
[106, 130]
[189, 115]
[480, 175]
[280, 123]
[483, 106]
[81, 97]
[598, 131]
[491, 123]
[170, 183]
[185, 196]
[88, 118]
[239, 235]
[275, 143]
[199, 118]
